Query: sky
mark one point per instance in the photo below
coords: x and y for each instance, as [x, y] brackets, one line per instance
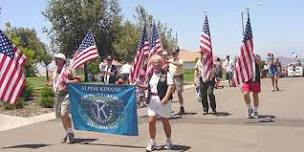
[277, 25]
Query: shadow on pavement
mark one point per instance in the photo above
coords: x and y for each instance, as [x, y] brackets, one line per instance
[32, 146]
[186, 113]
[263, 119]
[180, 148]
[84, 140]
[114, 145]
[175, 117]
[222, 114]
[267, 116]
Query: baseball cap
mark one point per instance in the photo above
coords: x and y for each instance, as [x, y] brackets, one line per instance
[60, 56]
[109, 57]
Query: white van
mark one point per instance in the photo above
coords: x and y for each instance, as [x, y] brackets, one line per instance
[295, 69]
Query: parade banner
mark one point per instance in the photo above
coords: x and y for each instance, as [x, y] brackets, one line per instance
[104, 108]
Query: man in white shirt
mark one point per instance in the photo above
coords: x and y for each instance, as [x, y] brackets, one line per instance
[229, 64]
[160, 89]
[206, 88]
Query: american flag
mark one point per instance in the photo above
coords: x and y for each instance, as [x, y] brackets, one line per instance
[86, 52]
[245, 66]
[206, 50]
[155, 44]
[139, 59]
[12, 78]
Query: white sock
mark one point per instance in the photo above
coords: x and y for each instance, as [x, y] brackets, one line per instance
[153, 142]
[69, 130]
[169, 140]
[255, 108]
[249, 106]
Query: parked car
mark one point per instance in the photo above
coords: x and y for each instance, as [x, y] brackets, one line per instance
[295, 69]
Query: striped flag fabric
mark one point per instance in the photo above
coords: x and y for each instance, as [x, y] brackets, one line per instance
[206, 52]
[138, 61]
[155, 43]
[86, 52]
[12, 77]
[245, 66]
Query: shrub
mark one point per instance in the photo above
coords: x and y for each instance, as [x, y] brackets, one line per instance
[46, 97]
[19, 105]
[28, 92]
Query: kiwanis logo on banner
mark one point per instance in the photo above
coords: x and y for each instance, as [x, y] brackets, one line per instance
[104, 108]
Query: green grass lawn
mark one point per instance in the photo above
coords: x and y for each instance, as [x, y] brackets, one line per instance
[36, 82]
[188, 76]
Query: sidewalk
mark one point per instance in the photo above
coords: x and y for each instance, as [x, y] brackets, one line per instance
[10, 122]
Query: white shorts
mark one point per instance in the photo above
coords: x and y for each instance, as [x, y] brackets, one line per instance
[156, 108]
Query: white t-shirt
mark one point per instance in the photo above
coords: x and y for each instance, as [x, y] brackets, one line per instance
[229, 65]
[107, 76]
[125, 69]
[155, 78]
[102, 66]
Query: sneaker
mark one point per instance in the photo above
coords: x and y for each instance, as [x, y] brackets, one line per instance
[255, 115]
[205, 111]
[64, 140]
[278, 89]
[182, 110]
[150, 147]
[70, 138]
[168, 145]
[214, 112]
[250, 111]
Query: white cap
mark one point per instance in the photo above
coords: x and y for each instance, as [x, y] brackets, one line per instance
[60, 56]
[164, 53]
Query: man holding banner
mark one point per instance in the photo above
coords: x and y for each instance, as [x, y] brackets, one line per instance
[61, 76]
[160, 88]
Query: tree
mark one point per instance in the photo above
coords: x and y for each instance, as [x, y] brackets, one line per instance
[72, 19]
[127, 44]
[165, 33]
[30, 45]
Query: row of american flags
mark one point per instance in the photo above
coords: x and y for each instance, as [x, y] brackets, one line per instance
[144, 51]
[12, 77]
[245, 63]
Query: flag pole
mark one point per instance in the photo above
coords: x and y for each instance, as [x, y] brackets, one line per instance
[242, 14]
[85, 69]
[176, 39]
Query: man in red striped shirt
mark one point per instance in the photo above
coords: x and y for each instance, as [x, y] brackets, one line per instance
[61, 77]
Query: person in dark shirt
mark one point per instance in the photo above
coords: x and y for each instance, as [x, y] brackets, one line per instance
[253, 86]
[110, 72]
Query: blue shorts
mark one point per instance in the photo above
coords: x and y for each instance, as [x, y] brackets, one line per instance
[273, 72]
